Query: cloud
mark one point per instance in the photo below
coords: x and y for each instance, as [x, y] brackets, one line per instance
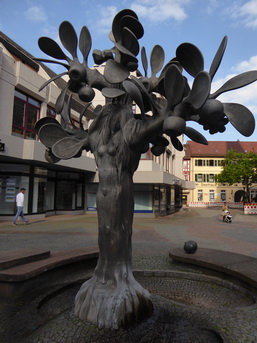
[161, 10]
[36, 14]
[106, 17]
[246, 12]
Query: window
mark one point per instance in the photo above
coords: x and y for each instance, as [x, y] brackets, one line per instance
[199, 177]
[25, 115]
[210, 177]
[223, 195]
[198, 162]
[50, 112]
[200, 195]
[211, 195]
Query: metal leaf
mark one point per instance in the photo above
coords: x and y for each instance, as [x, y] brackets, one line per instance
[114, 72]
[51, 48]
[145, 93]
[112, 92]
[116, 27]
[134, 93]
[174, 86]
[82, 114]
[43, 121]
[156, 59]
[50, 133]
[85, 42]
[68, 147]
[144, 60]
[129, 41]
[133, 25]
[238, 81]
[195, 136]
[200, 90]
[69, 38]
[191, 58]
[60, 100]
[218, 57]
[240, 117]
[176, 143]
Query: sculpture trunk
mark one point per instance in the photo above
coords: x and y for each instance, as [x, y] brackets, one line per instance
[112, 298]
[115, 205]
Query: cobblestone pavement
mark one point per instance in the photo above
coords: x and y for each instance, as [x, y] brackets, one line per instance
[191, 306]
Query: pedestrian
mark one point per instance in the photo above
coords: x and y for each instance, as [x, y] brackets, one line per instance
[20, 204]
[224, 210]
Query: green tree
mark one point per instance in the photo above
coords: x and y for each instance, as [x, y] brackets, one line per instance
[241, 168]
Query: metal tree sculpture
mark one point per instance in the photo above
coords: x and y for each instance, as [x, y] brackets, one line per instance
[112, 297]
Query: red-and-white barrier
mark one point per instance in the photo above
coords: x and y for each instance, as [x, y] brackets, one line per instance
[250, 208]
[215, 204]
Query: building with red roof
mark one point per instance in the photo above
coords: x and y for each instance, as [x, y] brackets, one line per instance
[203, 162]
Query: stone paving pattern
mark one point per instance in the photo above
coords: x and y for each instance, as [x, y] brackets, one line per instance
[191, 305]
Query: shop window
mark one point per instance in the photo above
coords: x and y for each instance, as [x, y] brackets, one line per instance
[25, 114]
[9, 188]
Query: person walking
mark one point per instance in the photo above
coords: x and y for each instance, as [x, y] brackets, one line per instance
[20, 204]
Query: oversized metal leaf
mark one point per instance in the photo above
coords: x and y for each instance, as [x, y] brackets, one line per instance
[195, 136]
[133, 25]
[144, 60]
[238, 81]
[156, 59]
[112, 92]
[240, 117]
[190, 57]
[174, 86]
[114, 72]
[218, 57]
[51, 133]
[67, 147]
[43, 121]
[85, 42]
[51, 48]
[116, 27]
[69, 38]
[129, 41]
[134, 93]
[60, 100]
[176, 143]
[200, 90]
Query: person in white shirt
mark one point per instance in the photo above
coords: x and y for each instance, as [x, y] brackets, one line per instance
[20, 204]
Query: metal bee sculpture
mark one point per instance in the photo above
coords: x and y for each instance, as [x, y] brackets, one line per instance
[117, 137]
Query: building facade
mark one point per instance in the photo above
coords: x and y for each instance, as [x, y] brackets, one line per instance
[203, 162]
[68, 186]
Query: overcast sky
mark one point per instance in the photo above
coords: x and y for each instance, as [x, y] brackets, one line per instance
[166, 22]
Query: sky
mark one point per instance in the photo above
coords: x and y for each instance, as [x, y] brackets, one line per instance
[168, 23]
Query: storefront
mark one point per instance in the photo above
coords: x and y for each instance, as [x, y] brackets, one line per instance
[48, 191]
[160, 200]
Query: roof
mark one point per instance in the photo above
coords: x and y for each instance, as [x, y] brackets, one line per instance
[217, 148]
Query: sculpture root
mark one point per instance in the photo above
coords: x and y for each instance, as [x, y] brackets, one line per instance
[109, 306]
